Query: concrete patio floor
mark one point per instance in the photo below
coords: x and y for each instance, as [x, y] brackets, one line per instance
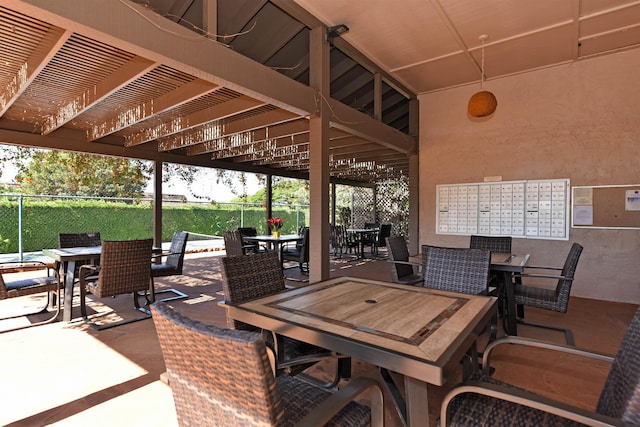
[68, 374]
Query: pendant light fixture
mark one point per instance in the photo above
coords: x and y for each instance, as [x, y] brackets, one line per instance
[482, 103]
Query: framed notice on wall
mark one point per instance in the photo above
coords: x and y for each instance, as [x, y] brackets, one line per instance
[606, 206]
[529, 209]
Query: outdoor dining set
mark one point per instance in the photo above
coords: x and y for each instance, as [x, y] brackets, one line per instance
[103, 268]
[423, 326]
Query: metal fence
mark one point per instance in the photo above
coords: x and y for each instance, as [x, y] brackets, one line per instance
[32, 222]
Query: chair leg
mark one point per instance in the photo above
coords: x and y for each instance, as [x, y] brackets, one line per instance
[177, 294]
[567, 332]
[83, 311]
[343, 371]
[52, 319]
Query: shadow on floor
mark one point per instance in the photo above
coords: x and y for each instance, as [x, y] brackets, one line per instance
[72, 375]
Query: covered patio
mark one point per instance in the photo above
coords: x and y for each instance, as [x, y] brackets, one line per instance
[77, 82]
[72, 375]
[119, 79]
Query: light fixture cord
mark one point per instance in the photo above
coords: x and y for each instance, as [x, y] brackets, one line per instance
[482, 67]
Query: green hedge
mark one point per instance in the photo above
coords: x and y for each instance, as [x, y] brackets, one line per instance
[43, 220]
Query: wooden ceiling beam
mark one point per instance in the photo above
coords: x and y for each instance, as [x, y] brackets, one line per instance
[147, 109]
[129, 72]
[37, 61]
[227, 109]
[224, 128]
[294, 127]
[274, 148]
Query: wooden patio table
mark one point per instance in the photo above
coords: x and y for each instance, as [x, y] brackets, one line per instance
[417, 332]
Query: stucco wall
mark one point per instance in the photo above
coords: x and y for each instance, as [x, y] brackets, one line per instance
[579, 121]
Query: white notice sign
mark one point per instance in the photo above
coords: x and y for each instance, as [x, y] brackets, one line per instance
[632, 200]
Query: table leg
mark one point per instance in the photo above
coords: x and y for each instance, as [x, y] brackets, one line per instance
[511, 326]
[413, 410]
[69, 277]
[417, 403]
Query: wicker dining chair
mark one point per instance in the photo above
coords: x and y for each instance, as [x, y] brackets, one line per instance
[125, 268]
[172, 265]
[500, 244]
[461, 270]
[80, 240]
[223, 377]
[233, 243]
[492, 243]
[380, 240]
[486, 401]
[252, 246]
[298, 253]
[402, 270]
[260, 275]
[25, 286]
[554, 299]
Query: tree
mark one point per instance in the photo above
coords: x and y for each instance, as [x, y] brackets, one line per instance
[284, 191]
[235, 181]
[74, 174]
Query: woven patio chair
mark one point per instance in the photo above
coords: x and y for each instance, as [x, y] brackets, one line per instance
[485, 401]
[24, 286]
[79, 240]
[125, 268]
[380, 240]
[172, 265]
[556, 299]
[260, 275]
[500, 244]
[336, 242]
[492, 243]
[250, 246]
[402, 270]
[370, 239]
[234, 245]
[223, 377]
[342, 241]
[456, 269]
[299, 253]
[460, 270]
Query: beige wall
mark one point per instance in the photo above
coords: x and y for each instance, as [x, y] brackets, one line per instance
[579, 121]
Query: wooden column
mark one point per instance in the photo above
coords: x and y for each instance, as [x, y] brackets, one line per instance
[414, 184]
[319, 157]
[269, 196]
[157, 204]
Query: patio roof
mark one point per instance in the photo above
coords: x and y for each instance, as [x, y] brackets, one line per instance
[117, 78]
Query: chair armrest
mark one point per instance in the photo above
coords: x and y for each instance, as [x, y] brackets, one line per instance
[542, 267]
[542, 276]
[416, 264]
[525, 398]
[322, 413]
[164, 254]
[30, 265]
[486, 357]
[86, 270]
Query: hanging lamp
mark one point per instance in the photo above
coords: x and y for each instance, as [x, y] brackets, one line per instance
[482, 103]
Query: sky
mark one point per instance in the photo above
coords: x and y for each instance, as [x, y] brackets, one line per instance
[204, 185]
